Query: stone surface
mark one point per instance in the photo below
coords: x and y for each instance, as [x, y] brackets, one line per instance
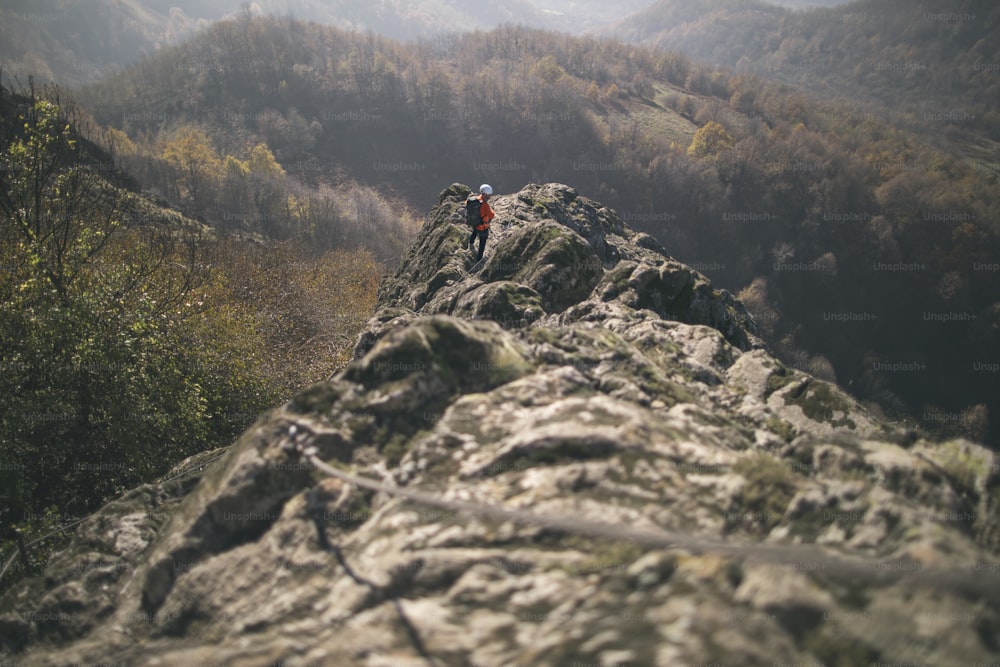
[578, 372]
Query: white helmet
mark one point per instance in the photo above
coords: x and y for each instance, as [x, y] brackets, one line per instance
[485, 189]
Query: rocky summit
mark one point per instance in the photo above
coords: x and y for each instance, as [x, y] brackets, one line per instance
[577, 452]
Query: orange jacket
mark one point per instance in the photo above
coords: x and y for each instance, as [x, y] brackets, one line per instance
[486, 213]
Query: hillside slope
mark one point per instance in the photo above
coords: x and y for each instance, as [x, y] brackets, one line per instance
[73, 43]
[932, 63]
[840, 193]
[664, 491]
[131, 335]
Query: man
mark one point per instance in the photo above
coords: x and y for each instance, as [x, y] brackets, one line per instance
[479, 217]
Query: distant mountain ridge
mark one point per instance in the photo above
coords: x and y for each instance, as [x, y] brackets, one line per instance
[927, 60]
[76, 42]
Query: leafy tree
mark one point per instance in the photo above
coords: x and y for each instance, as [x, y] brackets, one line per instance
[196, 163]
[710, 140]
[548, 70]
[108, 379]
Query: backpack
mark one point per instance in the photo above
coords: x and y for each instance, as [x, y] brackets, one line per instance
[472, 206]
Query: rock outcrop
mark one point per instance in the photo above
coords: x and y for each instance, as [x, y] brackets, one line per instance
[714, 505]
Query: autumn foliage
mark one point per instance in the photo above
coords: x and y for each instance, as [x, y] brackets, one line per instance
[131, 336]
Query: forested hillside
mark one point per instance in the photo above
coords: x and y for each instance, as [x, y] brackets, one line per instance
[73, 42]
[932, 64]
[78, 42]
[868, 254]
[132, 336]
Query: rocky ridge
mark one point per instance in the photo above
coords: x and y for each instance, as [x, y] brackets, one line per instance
[578, 372]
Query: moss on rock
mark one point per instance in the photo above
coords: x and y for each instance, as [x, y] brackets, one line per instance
[766, 493]
[507, 303]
